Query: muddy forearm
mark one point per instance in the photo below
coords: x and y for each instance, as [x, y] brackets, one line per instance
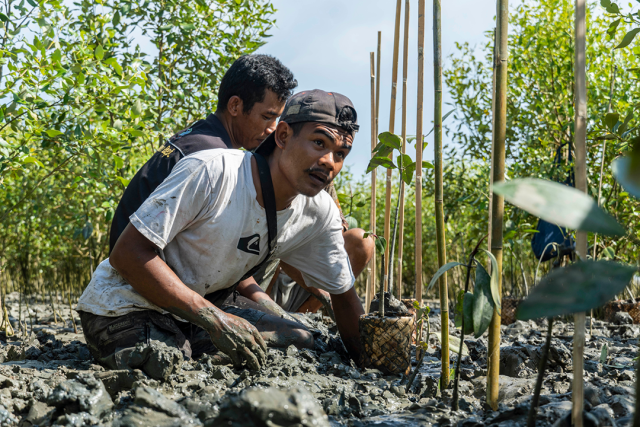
[348, 309]
[250, 289]
[135, 258]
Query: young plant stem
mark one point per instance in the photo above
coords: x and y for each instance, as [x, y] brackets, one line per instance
[415, 371]
[381, 298]
[456, 380]
[405, 66]
[533, 410]
[371, 283]
[439, 190]
[419, 147]
[581, 185]
[392, 119]
[497, 206]
[393, 241]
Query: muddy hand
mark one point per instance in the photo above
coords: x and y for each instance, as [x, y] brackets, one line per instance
[235, 337]
[269, 304]
[326, 303]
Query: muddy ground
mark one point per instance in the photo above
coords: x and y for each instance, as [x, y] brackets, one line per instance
[47, 377]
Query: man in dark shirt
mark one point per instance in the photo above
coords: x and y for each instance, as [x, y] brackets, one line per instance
[251, 97]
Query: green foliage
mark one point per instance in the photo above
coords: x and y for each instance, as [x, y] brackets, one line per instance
[559, 204]
[579, 287]
[87, 92]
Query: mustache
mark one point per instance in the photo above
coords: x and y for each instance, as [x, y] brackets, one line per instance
[321, 172]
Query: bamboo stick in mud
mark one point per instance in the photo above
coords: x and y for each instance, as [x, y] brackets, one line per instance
[405, 62]
[419, 145]
[392, 119]
[371, 282]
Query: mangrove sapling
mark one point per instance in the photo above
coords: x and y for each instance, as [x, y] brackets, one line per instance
[533, 410]
[422, 314]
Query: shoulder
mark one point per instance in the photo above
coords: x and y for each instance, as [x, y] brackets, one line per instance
[321, 206]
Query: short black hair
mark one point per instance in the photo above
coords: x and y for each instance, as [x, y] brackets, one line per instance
[250, 76]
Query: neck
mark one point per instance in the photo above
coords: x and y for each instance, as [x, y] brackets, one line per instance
[283, 191]
[226, 121]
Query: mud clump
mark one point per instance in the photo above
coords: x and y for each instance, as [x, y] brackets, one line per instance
[272, 407]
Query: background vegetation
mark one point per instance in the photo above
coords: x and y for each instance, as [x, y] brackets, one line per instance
[89, 90]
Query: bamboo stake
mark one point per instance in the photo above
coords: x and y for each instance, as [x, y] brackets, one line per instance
[371, 283]
[392, 119]
[419, 146]
[581, 185]
[493, 139]
[405, 65]
[378, 80]
[439, 208]
[497, 214]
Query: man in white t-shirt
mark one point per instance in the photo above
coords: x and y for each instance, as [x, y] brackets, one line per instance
[205, 227]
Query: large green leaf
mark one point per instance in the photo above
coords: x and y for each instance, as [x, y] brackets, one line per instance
[380, 161]
[495, 282]
[579, 287]
[464, 308]
[626, 170]
[559, 204]
[482, 302]
[441, 271]
[628, 38]
[454, 344]
[390, 140]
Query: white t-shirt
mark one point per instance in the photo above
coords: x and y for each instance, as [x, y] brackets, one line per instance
[211, 231]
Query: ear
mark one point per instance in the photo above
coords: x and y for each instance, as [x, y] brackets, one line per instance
[235, 106]
[283, 134]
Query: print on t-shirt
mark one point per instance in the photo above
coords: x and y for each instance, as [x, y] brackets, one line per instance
[250, 245]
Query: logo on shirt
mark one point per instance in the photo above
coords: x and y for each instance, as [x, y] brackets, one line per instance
[250, 244]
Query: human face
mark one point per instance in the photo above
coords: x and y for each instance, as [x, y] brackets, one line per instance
[251, 128]
[313, 158]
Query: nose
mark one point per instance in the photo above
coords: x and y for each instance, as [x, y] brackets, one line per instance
[328, 161]
[270, 127]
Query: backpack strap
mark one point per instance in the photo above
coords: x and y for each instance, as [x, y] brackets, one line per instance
[269, 201]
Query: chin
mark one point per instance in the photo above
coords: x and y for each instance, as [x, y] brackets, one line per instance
[310, 191]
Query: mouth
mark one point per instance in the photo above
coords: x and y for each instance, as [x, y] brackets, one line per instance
[319, 178]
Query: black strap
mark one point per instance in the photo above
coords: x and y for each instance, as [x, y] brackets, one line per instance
[269, 201]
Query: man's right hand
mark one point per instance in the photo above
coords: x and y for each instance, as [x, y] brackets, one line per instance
[234, 336]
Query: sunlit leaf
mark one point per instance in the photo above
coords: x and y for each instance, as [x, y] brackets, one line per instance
[626, 170]
[380, 161]
[482, 302]
[559, 204]
[124, 181]
[351, 222]
[30, 159]
[391, 140]
[628, 38]
[579, 287]
[99, 53]
[136, 109]
[427, 165]
[52, 133]
[611, 119]
[495, 282]
[441, 271]
[454, 344]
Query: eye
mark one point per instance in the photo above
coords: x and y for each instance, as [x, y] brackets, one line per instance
[319, 142]
[341, 154]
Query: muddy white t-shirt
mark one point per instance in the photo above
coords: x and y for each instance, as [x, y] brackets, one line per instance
[211, 230]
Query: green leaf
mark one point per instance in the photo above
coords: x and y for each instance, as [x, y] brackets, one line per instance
[427, 165]
[407, 173]
[559, 204]
[495, 282]
[482, 302]
[441, 271]
[579, 287]
[56, 56]
[390, 140]
[611, 119]
[613, 8]
[166, 27]
[626, 170]
[188, 26]
[454, 345]
[124, 182]
[99, 53]
[351, 222]
[3, 17]
[116, 18]
[607, 137]
[382, 150]
[604, 354]
[30, 159]
[403, 160]
[628, 38]
[52, 133]
[136, 109]
[605, 3]
[119, 163]
[608, 253]
[380, 161]
[381, 244]
[117, 67]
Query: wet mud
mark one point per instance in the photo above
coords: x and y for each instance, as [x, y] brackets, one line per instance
[48, 377]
